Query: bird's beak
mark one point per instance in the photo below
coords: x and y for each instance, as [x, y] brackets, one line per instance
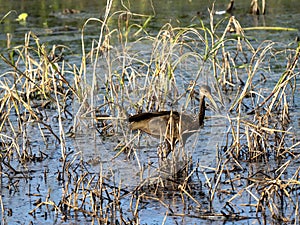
[215, 106]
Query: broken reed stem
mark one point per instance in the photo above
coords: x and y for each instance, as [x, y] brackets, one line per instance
[181, 188]
[218, 173]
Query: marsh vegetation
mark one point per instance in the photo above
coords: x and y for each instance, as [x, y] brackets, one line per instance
[66, 144]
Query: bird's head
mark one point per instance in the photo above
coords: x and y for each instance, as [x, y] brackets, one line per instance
[205, 91]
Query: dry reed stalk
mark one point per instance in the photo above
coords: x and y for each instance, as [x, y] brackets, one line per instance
[1, 201]
[282, 82]
[30, 87]
[254, 66]
[183, 190]
[151, 79]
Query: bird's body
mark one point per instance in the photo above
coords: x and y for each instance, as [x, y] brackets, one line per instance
[171, 125]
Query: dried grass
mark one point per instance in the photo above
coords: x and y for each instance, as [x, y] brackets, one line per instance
[259, 133]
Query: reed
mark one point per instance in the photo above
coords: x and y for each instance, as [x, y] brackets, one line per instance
[255, 167]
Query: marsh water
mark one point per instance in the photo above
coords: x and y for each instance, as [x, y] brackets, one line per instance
[54, 23]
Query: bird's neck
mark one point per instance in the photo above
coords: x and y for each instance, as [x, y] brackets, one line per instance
[201, 111]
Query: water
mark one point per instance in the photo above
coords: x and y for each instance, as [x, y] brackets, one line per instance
[92, 152]
[51, 22]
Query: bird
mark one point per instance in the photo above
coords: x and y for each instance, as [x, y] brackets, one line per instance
[172, 125]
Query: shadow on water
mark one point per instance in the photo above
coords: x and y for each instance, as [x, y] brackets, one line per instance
[80, 163]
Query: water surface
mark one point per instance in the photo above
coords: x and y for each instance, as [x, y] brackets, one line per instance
[55, 25]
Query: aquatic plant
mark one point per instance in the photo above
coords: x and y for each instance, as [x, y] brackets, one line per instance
[255, 167]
